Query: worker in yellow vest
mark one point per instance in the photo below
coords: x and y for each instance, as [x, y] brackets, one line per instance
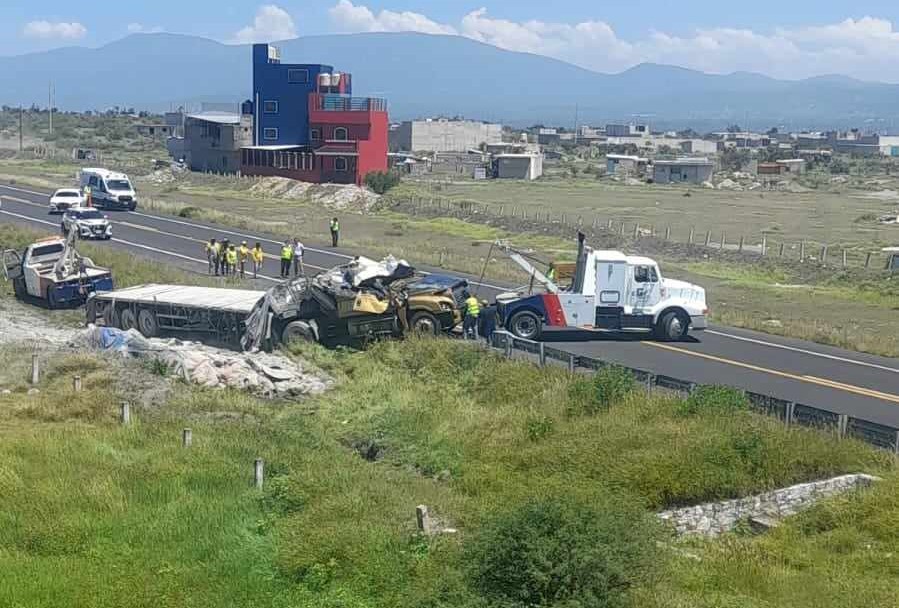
[286, 259]
[258, 258]
[472, 312]
[232, 259]
[243, 254]
[335, 231]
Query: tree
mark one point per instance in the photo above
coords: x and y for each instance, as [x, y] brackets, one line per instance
[381, 181]
[734, 129]
[563, 552]
[734, 159]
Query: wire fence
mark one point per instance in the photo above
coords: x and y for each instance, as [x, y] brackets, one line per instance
[790, 413]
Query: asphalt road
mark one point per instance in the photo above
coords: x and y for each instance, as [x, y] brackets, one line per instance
[842, 381]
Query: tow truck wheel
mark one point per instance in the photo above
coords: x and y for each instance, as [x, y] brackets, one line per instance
[672, 326]
[423, 322]
[146, 323]
[19, 289]
[297, 331]
[525, 324]
[127, 319]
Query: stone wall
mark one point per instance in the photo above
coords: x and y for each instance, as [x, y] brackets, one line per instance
[715, 518]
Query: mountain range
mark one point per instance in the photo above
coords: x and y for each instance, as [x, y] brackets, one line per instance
[427, 75]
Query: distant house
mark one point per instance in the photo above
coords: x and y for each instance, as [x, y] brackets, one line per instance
[442, 135]
[623, 164]
[791, 167]
[528, 165]
[682, 171]
[212, 141]
[160, 131]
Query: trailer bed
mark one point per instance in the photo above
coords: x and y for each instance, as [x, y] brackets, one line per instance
[207, 298]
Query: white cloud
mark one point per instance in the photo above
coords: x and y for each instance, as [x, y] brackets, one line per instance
[271, 23]
[351, 18]
[140, 28]
[58, 29]
[866, 48]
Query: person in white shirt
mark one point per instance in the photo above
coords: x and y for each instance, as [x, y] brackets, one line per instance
[298, 258]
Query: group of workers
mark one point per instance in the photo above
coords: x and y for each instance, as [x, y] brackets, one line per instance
[227, 259]
[479, 318]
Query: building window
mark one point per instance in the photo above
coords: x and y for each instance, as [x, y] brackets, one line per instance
[270, 133]
[341, 134]
[340, 164]
[296, 76]
[270, 107]
[315, 135]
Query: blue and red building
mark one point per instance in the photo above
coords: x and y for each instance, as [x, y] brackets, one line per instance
[308, 126]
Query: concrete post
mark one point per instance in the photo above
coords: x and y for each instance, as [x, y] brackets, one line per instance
[259, 473]
[35, 369]
[76, 384]
[723, 240]
[708, 238]
[764, 244]
[824, 254]
[690, 238]
[868, 260]
[423, 519]
[740, 249]
[802, 251]
[667, 233]
[125, 412]
[845, 260]
[186, 438]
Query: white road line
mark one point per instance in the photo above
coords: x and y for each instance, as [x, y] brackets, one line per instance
[137, 245]
[804, 351]
[248, 236]
[26, 191]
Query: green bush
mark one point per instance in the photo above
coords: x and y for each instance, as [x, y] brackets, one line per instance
[713, 400]
[562, 552]
[381, 181]
[608, 386]
[189, 212]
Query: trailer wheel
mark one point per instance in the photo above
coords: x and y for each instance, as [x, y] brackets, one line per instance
[525, 324]
[146, 323]
[297, 331]
[127, 319]
[110, 317]
[672, 326]
[423, 322]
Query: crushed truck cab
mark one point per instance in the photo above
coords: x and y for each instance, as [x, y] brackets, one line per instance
[50, 270]
[610, 291]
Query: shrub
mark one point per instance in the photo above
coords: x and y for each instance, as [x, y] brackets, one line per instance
[539, 427]
[381, 181]
[713, 400]
[613, 383]
[189, 212]
[562, 552]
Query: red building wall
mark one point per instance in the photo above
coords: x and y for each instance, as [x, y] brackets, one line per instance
[373, 150]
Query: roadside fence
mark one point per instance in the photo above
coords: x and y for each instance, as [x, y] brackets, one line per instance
[790, 413]
[541, 219]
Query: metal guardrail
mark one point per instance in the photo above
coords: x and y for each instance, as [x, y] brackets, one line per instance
[788, 412]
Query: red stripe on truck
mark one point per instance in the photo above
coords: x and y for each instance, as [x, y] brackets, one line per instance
[554, 314]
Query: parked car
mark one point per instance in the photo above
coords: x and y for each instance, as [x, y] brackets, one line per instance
[64, 199]
[87, 223]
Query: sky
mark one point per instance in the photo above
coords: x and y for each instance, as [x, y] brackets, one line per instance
[789, 40]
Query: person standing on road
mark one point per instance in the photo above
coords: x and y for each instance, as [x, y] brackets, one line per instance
[488, 320]
[212, 256]
[298, 251]
[286, 257]
[232, 260]
[258, 258]
[335, 231]
[472, 312]
[223, 257]
[243, 253]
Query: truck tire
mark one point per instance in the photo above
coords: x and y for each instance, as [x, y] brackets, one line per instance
[52, 298]
[146, 323]
[127, 319]
[19, 288]
[525, 324]
[110, 316]
[423, 322]
[297, 331]
[673, 326]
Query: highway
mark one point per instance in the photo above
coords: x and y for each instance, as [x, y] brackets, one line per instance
[847, 382]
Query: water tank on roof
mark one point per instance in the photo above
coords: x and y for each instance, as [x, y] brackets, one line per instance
[335, 79]
[324, 80]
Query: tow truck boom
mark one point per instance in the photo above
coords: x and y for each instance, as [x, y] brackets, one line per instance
[519, 258]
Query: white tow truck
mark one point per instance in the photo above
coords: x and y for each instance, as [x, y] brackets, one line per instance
[52, 271]
[611, 291]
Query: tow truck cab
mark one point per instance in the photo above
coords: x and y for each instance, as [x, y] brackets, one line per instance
[611, 291]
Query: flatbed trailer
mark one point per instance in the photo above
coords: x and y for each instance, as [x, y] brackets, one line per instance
[155, 308]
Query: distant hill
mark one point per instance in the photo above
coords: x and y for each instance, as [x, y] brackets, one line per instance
[424, 75]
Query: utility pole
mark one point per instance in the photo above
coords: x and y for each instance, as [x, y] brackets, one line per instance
[50, 105]
[575, 123]
[20, 128]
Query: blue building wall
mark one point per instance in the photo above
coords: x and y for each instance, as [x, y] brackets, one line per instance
[289, 85]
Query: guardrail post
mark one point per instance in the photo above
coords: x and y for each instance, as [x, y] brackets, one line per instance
[690, 238]
[708, 238]
[692, 388]
[896, 444]
[650, 381]
[802, 251]
[636, 230]
[667, 233]
[35, 369]
[542, 355]
[868, 260]
[508, 347]
[824, 254]
[842, 425]
[845, 258]
[764, 244]
[259, 473]
[788, 415]
[572, 361]
[125, 412]
[186, 438]
[76, 384]
[782, 247]
[740, 249]
[723, 240]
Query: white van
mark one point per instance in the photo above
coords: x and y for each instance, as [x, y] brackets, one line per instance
[109, 190]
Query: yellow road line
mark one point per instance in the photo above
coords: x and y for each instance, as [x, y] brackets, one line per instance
[849, 388]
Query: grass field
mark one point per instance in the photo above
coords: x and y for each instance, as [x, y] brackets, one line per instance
[842, 218]
[96, 514]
